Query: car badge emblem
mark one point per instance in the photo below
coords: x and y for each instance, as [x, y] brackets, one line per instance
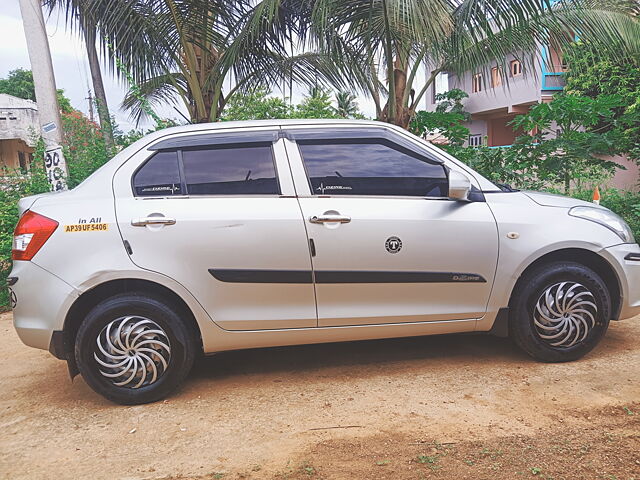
[393, 244]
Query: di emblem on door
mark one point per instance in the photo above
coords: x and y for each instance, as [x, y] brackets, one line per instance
[393, 244]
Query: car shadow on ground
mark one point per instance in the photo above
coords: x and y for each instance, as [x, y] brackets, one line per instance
[436, 351]
[376, 354]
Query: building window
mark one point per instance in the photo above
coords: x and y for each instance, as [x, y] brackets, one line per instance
[496, 76]
[516, 68]
[476, 83]
[475, 140]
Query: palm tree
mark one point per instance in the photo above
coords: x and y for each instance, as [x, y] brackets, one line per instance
[78, 16]
[346, 104]
[394, 39]
[202, 52]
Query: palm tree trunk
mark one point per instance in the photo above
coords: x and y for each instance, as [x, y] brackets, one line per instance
[403, 116]
[396, 111]
[98, 85]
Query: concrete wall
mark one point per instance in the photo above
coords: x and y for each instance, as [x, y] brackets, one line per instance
[477, 127]
[516, 91]
[626, 179]
[18, 119]
[500, 133]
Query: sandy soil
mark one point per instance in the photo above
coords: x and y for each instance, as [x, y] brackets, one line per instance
[435, 407]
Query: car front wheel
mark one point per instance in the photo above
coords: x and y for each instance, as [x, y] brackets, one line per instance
[134, 348]
[559, 312]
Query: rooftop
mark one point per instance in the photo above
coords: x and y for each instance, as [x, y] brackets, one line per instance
[18, 119]
[10, 102]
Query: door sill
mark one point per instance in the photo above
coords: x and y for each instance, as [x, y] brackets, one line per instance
[221, 340]
[357, 325]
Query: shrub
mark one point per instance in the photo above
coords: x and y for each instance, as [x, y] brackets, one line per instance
[84, 147]
[445, 125]
[14, 187]
[500, 165]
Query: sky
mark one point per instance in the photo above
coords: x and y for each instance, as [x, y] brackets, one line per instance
[69, 60]
[71, 67]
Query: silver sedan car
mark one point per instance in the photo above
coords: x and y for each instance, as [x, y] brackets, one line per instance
[213, 237]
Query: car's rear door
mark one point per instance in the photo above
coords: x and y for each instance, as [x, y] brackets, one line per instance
[218, 213]
[389, 246]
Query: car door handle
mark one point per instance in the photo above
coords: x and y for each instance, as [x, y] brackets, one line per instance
[141, 222]
[330, 219]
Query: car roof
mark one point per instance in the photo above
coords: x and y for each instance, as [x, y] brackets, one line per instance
[195, 127]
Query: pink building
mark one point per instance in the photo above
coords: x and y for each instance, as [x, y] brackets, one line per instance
[497, 96]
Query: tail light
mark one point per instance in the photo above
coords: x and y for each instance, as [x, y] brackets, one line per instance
[31, 233]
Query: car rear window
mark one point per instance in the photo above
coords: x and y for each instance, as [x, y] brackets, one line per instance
[230, 170]
[246, 169]
[159, 176]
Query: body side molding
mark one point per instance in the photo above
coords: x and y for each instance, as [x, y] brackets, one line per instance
[340, 276]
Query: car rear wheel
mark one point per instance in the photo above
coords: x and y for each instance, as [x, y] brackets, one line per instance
[134, 348]
[559, 312]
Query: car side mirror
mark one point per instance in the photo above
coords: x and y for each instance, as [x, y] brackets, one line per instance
[459, 186]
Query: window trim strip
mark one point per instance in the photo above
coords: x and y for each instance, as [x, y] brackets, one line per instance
[183, 177]
[355, 134]
[213, 139]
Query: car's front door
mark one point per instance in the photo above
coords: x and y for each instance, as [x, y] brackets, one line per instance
[218, 214]
[389, 246]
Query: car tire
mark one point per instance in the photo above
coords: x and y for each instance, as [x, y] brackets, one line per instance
[559, 311]
[134, 348]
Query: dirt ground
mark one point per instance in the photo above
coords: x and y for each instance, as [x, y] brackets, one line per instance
[451, 407]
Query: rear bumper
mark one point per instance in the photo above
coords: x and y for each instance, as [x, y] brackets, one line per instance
[41, 303]
[625, 259]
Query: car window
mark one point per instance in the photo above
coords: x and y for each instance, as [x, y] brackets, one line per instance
[159, 176]
[231, 170]
[370, 167]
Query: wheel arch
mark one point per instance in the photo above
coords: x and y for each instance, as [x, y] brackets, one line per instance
[88, 299]
[589, 259]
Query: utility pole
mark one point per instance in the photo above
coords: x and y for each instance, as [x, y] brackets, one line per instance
[90, 98]
[46, 94]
